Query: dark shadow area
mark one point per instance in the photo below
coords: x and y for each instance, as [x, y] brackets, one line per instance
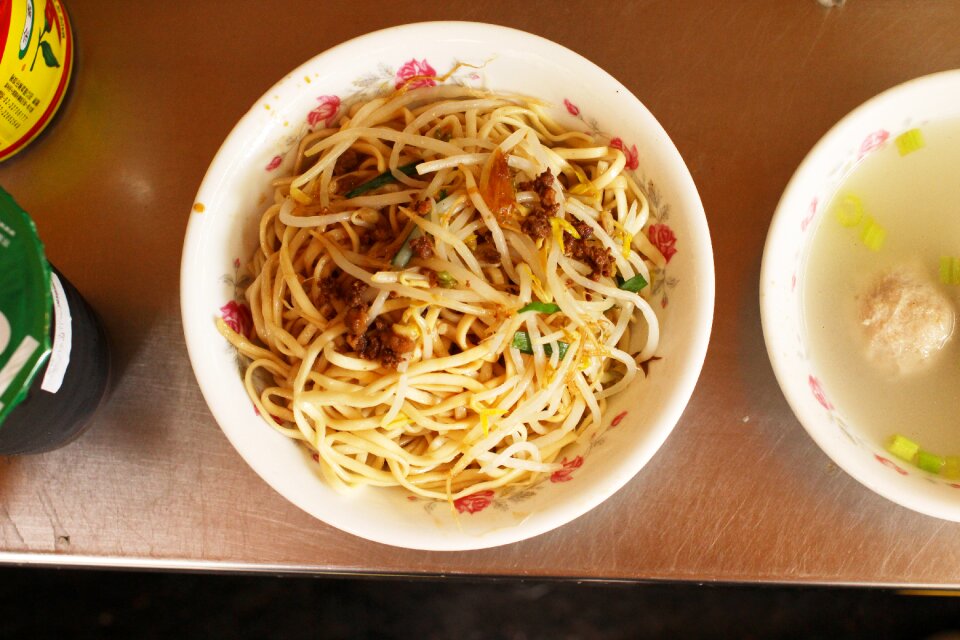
[96, 604]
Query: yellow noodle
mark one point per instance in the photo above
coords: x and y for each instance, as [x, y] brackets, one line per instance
[452, 408]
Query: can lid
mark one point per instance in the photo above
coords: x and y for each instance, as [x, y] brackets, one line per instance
[36, 62]
[25, 304]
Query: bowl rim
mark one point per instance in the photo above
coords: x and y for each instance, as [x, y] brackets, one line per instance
[908, 495]
[703, 270]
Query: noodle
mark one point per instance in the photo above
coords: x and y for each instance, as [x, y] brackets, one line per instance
[389, 337]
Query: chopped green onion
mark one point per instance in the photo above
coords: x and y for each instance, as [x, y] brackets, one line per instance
[929, 461]
[873, 234]
[903, 448]
[384, 178]
[634, 284]
[403, 255]
[540, 307]
[446, 280]
[849, 210]
[951, 467]
[950, 269]
[910, 451]
[910, 141]
[521, 341]
[442, 195]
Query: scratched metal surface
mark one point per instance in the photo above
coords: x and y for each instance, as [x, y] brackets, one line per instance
[738, 493]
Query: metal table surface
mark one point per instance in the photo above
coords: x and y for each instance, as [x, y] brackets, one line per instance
[738, 493]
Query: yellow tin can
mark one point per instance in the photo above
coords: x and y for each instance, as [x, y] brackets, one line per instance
[37, 58]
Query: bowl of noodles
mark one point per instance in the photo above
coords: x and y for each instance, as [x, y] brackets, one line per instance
[441, 297]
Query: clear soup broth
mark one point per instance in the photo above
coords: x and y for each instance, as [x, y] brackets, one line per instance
[896, 214]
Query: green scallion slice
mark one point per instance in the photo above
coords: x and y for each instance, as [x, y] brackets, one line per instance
[634, 284]
[540, 307]
[929, 461]
[521, 341]
[950, 269]
[902, 447]
[403, 255]
[446, 280]
[849, 210]
[384, 178]
[910, 141]
[951, 467]
[873, 234]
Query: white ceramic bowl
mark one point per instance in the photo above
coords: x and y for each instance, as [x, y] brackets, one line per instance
[222, 233]
[869, 127]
